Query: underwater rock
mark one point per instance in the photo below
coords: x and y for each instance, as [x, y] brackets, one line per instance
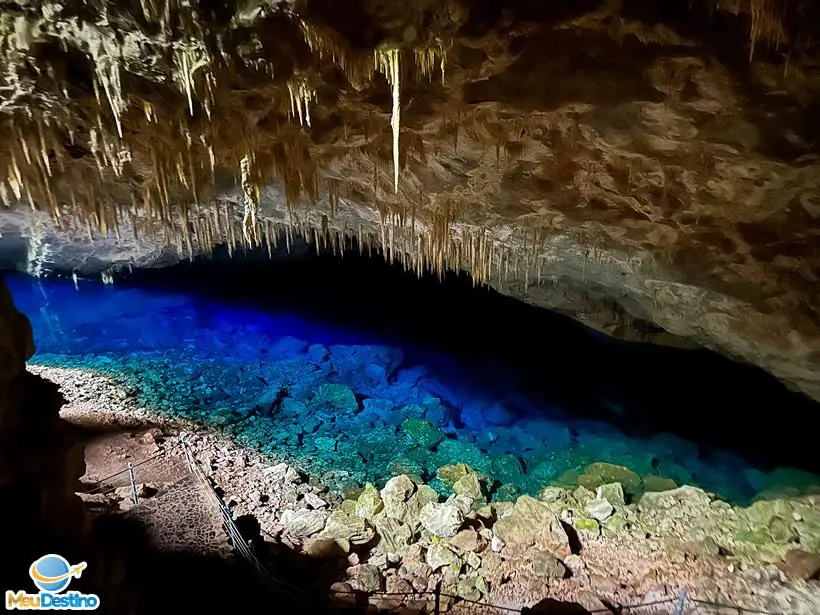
[507, 468]
[441, 520]
[547, 566]
[506, 493]
[422, 432]
[480, 415]
[303, 522]
[336, 397]
[379, 407]
[658, 483]
[598, 474]
[531, 523]
[452, 473]
[289, 347]
[469, 485]
[458, 451]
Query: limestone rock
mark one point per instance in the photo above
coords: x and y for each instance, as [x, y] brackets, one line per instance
[423, 432]
[303, 522]
[393, 534]
[326, 548]
[350, 527]
[469, 485]
[598, 474]
[686, 499]
[546, 565]
[369, 503]
[532, 524]
[336, 397]
[440, 555]
[442, 520]
[800, 565]
[599, 509]
[365, 577]
[395, 494]
[467, 540]
[614, 493]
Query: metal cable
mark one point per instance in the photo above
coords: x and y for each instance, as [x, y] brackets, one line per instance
[732, 606]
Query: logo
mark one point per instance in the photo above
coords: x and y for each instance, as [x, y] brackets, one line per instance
[52, 575]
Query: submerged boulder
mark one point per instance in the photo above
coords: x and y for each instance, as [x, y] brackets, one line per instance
[422, 432]
[336, 397]
[598, 474]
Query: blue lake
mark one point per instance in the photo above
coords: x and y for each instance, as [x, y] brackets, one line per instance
[426, 380]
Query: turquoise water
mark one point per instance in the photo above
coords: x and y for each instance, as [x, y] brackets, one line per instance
[356, 405]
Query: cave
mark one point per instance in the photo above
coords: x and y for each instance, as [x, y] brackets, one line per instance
[410, 307]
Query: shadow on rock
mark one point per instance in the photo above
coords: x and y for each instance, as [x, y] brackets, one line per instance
[192, 582]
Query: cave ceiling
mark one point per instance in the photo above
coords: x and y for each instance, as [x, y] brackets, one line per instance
[648, 167]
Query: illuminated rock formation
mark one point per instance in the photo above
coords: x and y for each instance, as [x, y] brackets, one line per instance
[650, 168]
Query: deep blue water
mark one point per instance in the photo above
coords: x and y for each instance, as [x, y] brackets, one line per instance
[526, 396]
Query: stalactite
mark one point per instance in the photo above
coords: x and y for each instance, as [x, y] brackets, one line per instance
[252, 197]
[387, 62]
[300, 97]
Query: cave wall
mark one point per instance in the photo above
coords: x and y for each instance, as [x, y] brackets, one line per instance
[41, 461]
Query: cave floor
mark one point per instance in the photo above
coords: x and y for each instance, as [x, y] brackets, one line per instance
[653, 561]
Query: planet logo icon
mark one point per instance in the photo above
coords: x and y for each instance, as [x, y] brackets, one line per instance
[52, 573]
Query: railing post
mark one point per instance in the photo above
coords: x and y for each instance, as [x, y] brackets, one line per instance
[133, 484]
[437, 609]
[681, 602]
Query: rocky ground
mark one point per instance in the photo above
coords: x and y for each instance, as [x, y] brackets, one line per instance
[602, 543]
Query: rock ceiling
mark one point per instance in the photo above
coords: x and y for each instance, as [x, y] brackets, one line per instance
[649, 167]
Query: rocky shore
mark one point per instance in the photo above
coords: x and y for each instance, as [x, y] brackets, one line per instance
[603, 542]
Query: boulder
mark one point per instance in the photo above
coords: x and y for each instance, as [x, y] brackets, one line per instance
[395, 494]
[350, 527]
[440, 555]
[441, 520]
[336, 397]
[599, 509]
[532, 524]
[800, 565]
[613, 493]
[686, 500]
[393, 535]
[467, 540]
[422, 432]
[546, 566]
[303, 522]
[365, 577]
[598, 474]
[369, 503]
[469, 485]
